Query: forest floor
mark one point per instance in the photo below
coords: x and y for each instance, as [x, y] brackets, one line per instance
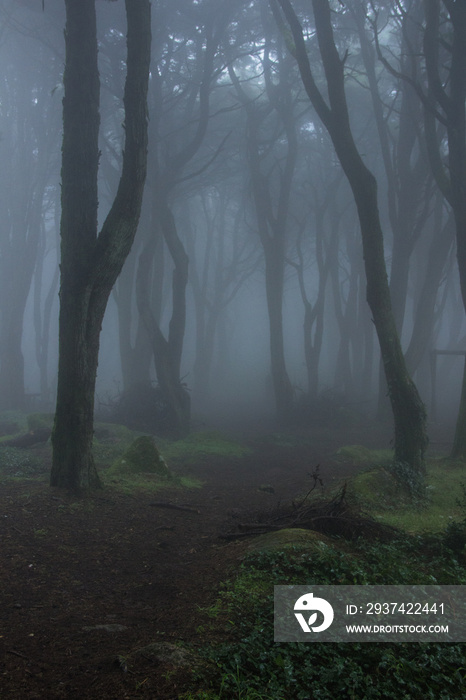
[87, 584]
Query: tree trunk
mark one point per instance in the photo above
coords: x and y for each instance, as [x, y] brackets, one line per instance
[12, 362]
[90, 264]
[408, 410]
[272, 220]
[22, 215]
[283, 390]
[424, 317]
[448, 96]
[135, 354]
[167, 352]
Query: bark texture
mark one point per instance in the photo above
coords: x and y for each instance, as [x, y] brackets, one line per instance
[91, 262]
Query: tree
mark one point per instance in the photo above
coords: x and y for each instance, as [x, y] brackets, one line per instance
[28, 128]
[92, 261]
[439, 80]
[403, 155]
[445, 61]
[222, 257]
[408, 410]
[182, 84]
[272, 151]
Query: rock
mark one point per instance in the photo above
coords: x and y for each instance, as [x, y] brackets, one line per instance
[143, 457]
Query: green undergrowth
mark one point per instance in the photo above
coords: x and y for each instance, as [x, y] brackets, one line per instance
[250, 665]
[146, 483]
[376, 491]
[16, 423]
[21, 464]
[364, 457]
[39, 421]
[12, 424]
[201, 446]
[140, 467]
[288, 440]
[111, 440]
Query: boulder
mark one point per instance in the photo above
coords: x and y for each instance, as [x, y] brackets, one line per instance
[143, 457]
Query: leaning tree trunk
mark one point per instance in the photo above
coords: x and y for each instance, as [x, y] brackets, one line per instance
[91, 263]
[408, 410]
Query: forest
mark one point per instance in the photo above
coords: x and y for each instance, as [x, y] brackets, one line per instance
[232, 340]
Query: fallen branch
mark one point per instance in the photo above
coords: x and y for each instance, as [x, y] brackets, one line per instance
[248, 533]
[334, 517]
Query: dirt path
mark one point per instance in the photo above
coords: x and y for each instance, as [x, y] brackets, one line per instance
[82, 584]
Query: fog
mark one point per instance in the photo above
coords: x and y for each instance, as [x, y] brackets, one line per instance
[259, 206]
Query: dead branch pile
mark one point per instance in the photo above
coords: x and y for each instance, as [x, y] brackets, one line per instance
[335, 517]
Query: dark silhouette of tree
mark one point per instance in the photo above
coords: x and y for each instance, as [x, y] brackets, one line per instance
[28, 130]
[272, 151]
[445, 61]
[182, 84]
[222, 257]
[440, 83]
[404, 157]
[408, 409]
[92, 261]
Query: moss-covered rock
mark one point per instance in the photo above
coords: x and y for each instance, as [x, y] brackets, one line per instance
[110, 442]
[375, 489]
[142, 457]
[290, 537]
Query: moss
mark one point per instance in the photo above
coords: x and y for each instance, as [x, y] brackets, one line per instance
[145, 484]
[114, 432]
[377, 492]
[21, 464]
[288, 440]
[290, 537]
[110, 442]
[371, 489]
[200, 445]
[141, 468]
[362, 456]
[188, 482]
[142, 457]
[12, 423]
[37, 421]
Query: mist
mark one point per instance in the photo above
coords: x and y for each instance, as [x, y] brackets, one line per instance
[232, 340]
[258, 173]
